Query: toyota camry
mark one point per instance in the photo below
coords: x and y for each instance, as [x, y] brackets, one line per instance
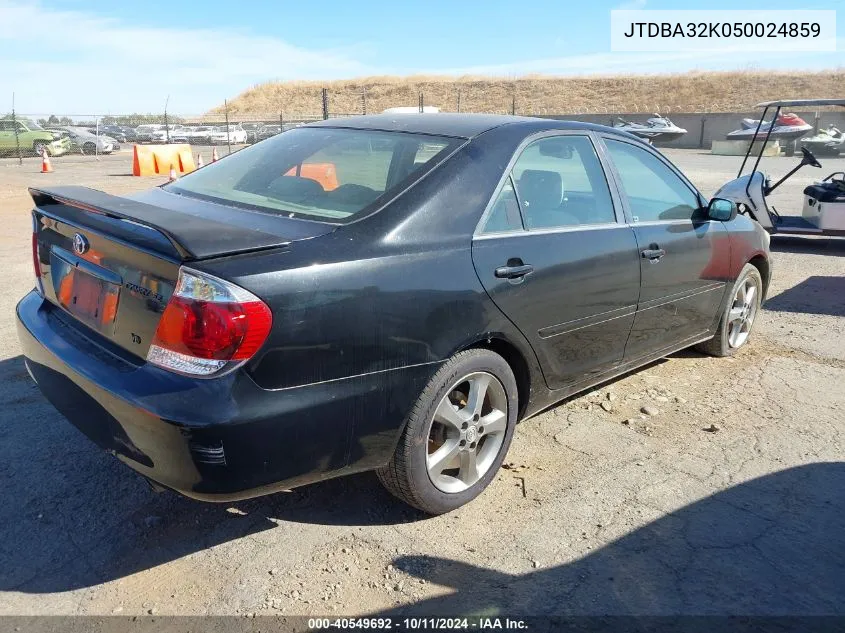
[389, 293]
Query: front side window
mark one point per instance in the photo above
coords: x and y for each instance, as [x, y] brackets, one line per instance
[654, 191]
[318, 173]
[560, 183]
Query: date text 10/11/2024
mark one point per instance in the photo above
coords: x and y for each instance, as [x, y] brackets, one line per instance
[419, 623]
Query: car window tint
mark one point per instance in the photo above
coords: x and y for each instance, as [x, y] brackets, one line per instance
[322, 173]
[560, 182]
[505, 213]
[653, 190]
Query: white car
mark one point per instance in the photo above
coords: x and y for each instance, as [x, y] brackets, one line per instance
[236, 135]
[169, 134]
[87, 143]
[199, 135]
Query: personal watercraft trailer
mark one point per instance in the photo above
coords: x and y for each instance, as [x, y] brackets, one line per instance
[823, 211]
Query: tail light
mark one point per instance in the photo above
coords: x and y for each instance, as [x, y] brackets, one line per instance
[36, 262]
[209, 326]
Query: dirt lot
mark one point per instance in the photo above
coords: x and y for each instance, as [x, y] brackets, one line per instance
[728, 500]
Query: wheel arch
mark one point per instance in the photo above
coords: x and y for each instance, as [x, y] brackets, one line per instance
[517, 361]
[762, 264]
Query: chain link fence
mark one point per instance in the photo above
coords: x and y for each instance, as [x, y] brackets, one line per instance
[231, 127]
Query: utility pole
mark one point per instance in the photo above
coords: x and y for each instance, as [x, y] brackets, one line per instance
[17, 138]
[166, 127]
[228, 140]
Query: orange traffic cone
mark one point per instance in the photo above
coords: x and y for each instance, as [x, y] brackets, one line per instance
[199, 161]
[214, 156]
[173, 175]
[46, 167]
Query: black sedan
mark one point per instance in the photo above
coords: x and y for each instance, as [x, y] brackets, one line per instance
[388, 293]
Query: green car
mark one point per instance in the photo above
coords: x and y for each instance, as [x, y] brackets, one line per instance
[31, 137]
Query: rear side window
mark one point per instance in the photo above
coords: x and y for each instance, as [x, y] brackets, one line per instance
[318, 173]
[558, 182]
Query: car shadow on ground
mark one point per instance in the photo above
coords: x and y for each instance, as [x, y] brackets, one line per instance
[808, 245]
[74, 516]
[814, 295]
[770, 546]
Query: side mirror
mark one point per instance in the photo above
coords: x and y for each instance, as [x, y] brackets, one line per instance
[721, 209]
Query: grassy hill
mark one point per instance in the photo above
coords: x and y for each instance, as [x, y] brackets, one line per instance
[537, 94]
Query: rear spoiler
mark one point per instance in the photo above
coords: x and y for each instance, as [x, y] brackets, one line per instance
[189, 236]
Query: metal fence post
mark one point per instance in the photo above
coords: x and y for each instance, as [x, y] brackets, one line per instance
[15, 125]
[228, 140]
[513, 104]
[459, 99]
[97, 142]
[325, 97]
[421, 103]
[281, 122]
[364, 100]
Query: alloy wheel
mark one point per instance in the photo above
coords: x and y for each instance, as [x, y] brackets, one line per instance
[742, 313]
[466, 432]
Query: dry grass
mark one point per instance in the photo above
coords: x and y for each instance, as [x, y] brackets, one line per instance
[537, 94]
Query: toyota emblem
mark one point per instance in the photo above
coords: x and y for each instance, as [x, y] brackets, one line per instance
[80, 244]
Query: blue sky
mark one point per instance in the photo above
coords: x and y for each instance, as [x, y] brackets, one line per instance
[99, 56]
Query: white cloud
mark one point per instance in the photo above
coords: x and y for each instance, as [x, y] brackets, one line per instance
[84, 63]
[656, 62]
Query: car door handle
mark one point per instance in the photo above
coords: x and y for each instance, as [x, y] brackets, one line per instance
[653, 253]
[514, 272]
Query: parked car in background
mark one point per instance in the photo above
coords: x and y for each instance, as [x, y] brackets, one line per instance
[31, 137]
[144, 133]
[180, 134]
[168, 134]
[199, 135]
[122, 134]
[235, 135]
[83, 141]
[251, 130]
[267, 131]
[249, 328]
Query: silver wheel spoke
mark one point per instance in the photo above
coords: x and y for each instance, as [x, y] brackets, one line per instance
[468, 472]
[443, 457]
[477, 393]
[749, 296]
[448, 415]
[734, 315]
[494, 422]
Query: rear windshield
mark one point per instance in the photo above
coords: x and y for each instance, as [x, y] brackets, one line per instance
[326, 174]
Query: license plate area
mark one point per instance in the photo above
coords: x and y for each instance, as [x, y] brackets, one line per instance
[87, 291]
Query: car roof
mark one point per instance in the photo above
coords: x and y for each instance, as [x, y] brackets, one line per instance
[457, 125]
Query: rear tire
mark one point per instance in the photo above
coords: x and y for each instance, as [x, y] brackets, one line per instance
[738, 316]
[89, 149]
[446, 456]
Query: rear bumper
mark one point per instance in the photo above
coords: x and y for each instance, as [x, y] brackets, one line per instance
[219, 439]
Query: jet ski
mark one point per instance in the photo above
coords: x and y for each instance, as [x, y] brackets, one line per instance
[657, 128]
[786, 127]
[829, 142]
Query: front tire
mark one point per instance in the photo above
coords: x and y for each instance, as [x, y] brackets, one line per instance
[39, 146]
[738, 316]
[456, 435]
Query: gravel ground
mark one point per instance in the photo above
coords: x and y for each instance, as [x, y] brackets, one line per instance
[728, 499]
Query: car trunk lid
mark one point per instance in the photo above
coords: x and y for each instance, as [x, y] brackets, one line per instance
[111, 263]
